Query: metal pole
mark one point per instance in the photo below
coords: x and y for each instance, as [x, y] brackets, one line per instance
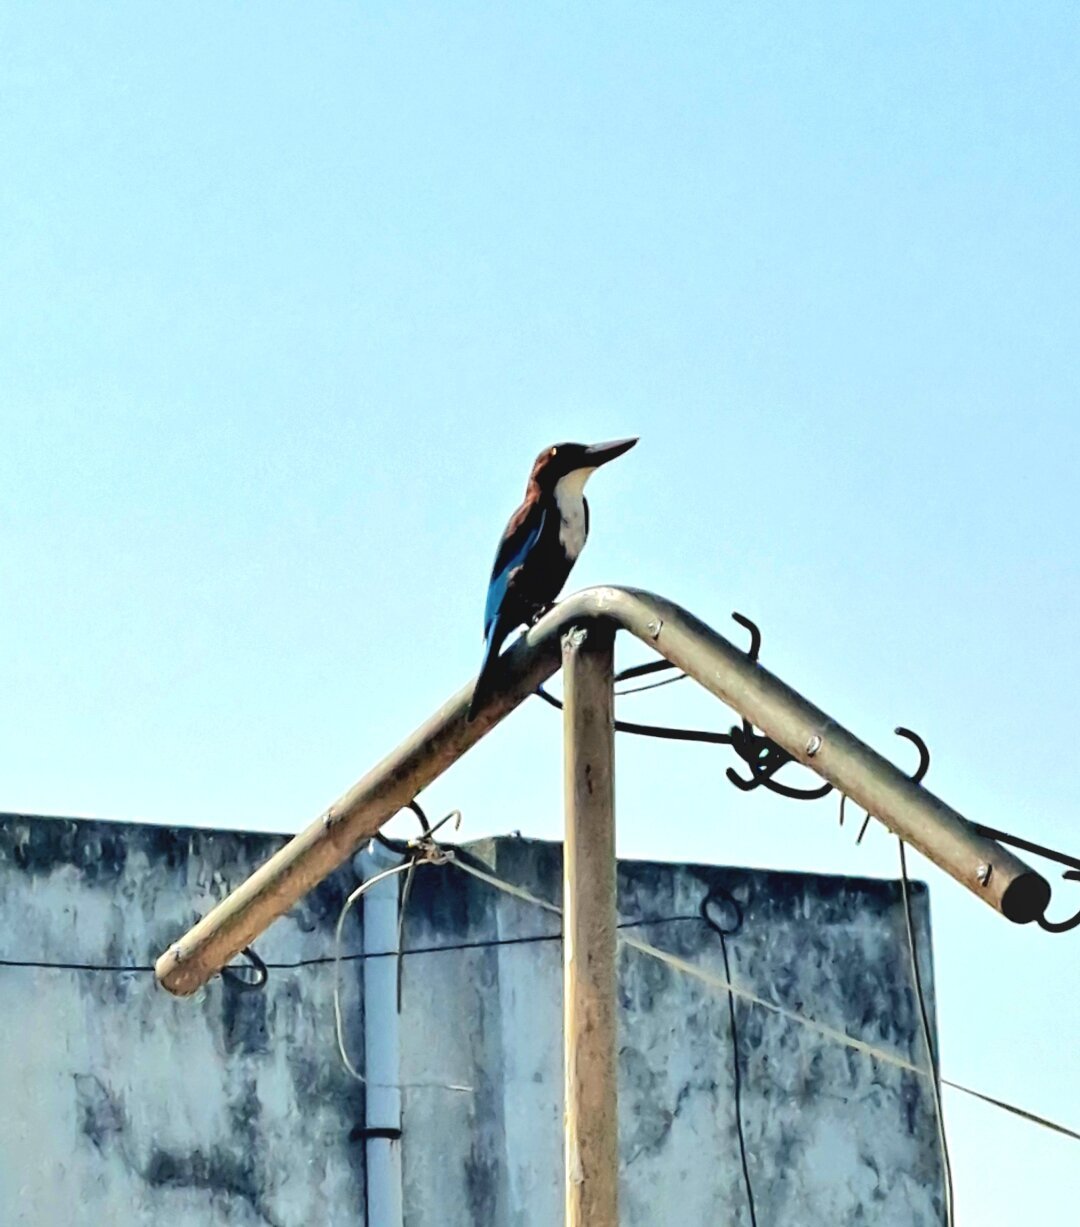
[352, 819]
[913, 812]
[589, 930]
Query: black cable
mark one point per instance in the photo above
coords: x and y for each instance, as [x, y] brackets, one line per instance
[935, 1074]
[1003, 837]
[653, 730]
[75, 966]
[652, 666]
[717, 894]
[321, 960]
[667, 681]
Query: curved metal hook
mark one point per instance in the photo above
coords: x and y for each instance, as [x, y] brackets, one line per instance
[718, 894]
[414, 805]
[765, 758]
[241, 983]
[924, 753]
[917, 778]
[395, 845]
[1063, 926]
[755, 635]
[658, 666]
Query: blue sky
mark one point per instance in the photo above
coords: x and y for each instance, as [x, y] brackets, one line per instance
[290, 296]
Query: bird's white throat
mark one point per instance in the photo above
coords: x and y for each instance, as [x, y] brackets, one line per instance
[570, 500]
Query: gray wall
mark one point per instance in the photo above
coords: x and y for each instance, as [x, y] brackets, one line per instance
[835, 1138]
[123, 1105]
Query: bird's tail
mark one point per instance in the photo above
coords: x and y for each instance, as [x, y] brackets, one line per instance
[485, 682]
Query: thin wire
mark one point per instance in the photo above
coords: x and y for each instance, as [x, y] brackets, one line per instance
[652, 666]
[723, 934]
[667, 681]
[664, 732]
[406, 895]
[339, 1025]
[738, 1085]
[358, 956]
[114, 967]
[931, 1055]
[726, 986]
[1062, 858]
[1023, 1113]
[706, 977]
[339, 1028]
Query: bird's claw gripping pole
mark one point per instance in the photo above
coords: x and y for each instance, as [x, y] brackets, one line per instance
[993, 873]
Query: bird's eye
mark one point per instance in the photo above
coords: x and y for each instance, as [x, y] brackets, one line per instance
[554, 451]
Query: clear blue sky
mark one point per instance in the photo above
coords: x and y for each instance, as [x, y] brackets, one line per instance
[291, 295]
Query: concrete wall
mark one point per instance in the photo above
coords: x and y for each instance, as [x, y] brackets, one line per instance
[123, 1105]
[835, 1138]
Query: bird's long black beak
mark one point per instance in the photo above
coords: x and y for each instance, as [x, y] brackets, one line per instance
[601, 453]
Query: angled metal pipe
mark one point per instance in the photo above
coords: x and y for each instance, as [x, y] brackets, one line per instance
[986, 868]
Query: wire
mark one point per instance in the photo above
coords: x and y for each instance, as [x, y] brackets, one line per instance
[47, 966]
[934, 1074]
[1023, 1113]
[726, 985]
[339, 1026]
[652, 666]
[1003, 837]
[667, 681]
[714, 894]
[664, 732]
[423, 853]
[358, 956]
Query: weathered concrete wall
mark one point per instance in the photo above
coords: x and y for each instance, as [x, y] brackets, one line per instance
[835, 1138]
[125, 1106]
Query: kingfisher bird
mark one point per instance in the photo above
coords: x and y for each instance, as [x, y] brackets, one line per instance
[539, 547]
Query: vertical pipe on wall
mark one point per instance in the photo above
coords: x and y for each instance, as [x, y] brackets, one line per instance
[382, 1041]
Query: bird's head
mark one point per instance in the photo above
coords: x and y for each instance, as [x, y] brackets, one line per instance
[579, 459]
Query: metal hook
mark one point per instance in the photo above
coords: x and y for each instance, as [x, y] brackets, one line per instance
[658, 666]
[924, 753]
[917, 778]
[755, 635]
[396, 845]
[1062, 926]
[765, 758]
[720, 895]
[760, 753]
[1051, 854]
[241, 983]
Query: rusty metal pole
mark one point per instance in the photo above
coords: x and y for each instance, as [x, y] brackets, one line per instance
[589, 929]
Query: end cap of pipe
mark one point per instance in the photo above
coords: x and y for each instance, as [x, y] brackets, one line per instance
[1025, 898]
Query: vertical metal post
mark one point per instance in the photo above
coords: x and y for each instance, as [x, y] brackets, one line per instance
[589, 930]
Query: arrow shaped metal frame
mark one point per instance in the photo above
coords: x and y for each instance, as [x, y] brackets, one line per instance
[806, 733]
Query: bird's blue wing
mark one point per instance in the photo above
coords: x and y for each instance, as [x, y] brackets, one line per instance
[521, 535]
